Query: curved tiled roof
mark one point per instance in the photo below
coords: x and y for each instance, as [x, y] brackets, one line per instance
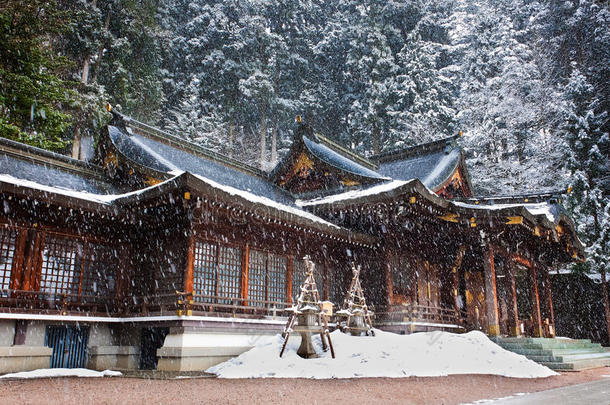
[335, 159]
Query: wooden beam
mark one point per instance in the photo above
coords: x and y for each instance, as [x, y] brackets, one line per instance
[491, 297]
[189, 272]
[245, 271]
[17, 272]
[513, 311]
[389, 260]
[289, 271]
[457, 263]
[538, 332]
[549, 299]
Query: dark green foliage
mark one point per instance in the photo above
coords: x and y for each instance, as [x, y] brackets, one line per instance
[34, 99]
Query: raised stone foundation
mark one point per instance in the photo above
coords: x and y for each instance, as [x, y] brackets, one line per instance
[113, 357]
[196, 349]
[24, 358]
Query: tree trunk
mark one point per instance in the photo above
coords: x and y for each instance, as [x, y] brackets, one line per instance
[376, 148]
[76, 142]
[85, 74]
[606, 302]
[100, 50]
[274, 143]
[263, 141]
[231, 136]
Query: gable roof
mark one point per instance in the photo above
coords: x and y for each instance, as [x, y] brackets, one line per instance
[433, 163]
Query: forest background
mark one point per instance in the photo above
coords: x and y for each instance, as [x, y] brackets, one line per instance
[528, 82]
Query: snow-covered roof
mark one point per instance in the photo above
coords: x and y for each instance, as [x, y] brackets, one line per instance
[550, 210]
[334, 158]
[153, 153]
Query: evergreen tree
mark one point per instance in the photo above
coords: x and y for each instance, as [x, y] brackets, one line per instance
[34, 96]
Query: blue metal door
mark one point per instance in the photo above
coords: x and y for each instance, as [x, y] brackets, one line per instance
[69, 345]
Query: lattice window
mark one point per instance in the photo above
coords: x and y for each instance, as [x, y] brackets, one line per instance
[298, 276]
[205, 270]
[62, 259]
[257, 277]
[229, 269]
[99, 273]
[217, 271]
[8, 240]
[338, 285]
[276, 274]
[266, 277]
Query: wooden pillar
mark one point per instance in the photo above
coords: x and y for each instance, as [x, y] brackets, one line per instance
[18, 261]
[388, 277]
[548, 296]
[289, 270]
[491, 297]
[189, 274]
[456, 279]
[538, 332]
[33, 261]
[513, 311]
[326, 278]
[245, 269]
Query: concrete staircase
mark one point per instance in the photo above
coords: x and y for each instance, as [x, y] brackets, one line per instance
[559, 354]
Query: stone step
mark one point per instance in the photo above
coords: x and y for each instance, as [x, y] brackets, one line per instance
[555, 345]
[537, 340]
[577, 365]
[567, 358]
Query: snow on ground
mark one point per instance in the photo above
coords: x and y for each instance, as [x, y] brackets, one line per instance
[428, 354]
[62, 372]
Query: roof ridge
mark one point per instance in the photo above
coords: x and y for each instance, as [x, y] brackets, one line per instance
[534, 197]
[342, 150]
[23, 150]
[190, 147]
[396, 154]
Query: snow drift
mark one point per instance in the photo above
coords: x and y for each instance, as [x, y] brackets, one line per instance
[62, 372]
[428, 354]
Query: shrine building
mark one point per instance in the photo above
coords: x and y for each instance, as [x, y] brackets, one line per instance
[164, 255]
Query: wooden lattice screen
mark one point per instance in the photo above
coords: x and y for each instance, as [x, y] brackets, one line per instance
[217, 270]
[229, 271]
[79, 268]
[61, 265]
[100, 270]
[266, 277]
[8, 240]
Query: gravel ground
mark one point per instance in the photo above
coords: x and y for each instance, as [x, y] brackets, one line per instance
[432, 390]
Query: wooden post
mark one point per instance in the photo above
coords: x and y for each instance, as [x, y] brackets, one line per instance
[549, 299]
[18, 261]
[245, 270]
[289, 270]
[459, 258]
[388, 277]
[491, 298]
[538, 332]
[33, 260]
[513, 311]
[189, 273]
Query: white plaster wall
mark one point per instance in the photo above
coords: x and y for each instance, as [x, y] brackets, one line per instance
[7, 332]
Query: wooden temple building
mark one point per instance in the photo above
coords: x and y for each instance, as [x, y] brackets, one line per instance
[162, 254]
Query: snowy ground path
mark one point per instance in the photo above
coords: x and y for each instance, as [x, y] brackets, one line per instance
[429, 354]
[450, 390]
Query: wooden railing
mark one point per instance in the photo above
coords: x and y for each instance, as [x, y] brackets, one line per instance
[180, 303]
[63, 303]
[420, 313]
